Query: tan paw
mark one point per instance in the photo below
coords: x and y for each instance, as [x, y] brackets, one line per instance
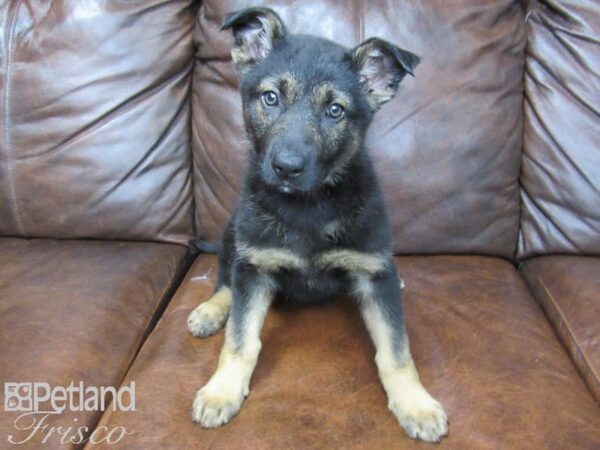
[213, 409]
[421, 416]
[206, 319]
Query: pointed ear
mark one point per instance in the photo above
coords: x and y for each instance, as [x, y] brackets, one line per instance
[380, 67]
[257, 31]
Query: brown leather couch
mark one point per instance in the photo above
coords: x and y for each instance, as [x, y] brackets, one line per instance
[121, 140]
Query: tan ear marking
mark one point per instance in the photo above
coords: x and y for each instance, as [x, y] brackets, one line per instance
[381, 66]
[256, 31]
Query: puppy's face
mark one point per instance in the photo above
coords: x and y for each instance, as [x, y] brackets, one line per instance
[305, 112]
[308, 101]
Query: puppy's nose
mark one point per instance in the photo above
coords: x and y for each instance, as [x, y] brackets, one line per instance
[288, 166]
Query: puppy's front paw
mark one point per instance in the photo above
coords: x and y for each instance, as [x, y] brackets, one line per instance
[206, 319]
[212, 408]
[421, 416]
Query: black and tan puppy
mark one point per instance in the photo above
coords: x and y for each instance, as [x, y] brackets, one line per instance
[311, 222]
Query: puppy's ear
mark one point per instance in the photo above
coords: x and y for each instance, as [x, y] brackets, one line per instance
[380, 67]
[257, 31]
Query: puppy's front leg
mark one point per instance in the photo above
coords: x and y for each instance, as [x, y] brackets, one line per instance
[210, 316]
[417, 411]
[217, 402]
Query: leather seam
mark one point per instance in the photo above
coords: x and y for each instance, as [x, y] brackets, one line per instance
[163, 302]
[150, 324]
[6, 110]
[520, 244]
[569, 330]
[361, 22]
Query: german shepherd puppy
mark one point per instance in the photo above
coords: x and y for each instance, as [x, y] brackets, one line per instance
[311, 222]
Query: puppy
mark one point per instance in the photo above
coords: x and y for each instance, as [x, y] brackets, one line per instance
[311, 222]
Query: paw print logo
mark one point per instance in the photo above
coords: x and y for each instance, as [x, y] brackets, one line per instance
[17, 396]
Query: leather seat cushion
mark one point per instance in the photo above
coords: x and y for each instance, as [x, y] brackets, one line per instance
[483, 347]
[568, 288]
[75, 311]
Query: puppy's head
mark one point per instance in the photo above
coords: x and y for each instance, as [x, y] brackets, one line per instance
[308, 101]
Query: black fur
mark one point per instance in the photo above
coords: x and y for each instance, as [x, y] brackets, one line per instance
[311, 222]
[296, 219]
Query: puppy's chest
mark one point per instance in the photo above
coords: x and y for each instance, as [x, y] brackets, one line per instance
[310, 243]
[314, 276]
[306, 233]
[310, 256]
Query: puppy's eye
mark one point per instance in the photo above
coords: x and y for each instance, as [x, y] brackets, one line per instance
[270, 98]
[335, 111]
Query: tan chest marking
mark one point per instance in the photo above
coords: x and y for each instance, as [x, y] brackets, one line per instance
[273, 259]
[352, 261]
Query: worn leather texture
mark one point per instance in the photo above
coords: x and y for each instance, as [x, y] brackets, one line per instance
[481, 343]
[447, 148]
[75, 311]
[560, 176]
[568, 288]
[95, 119]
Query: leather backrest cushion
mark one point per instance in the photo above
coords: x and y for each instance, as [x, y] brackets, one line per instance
[447, 147]
[561, 148]
[95, 119]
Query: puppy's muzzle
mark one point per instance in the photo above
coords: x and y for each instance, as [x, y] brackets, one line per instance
[287, 165]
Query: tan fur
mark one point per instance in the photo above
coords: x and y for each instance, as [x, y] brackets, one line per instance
[261, 124]
[269, 84]
[252, 48]
[344, 159]
[272, 32]
[291, 87]
[416, 410]
[270, 259]
[238, 56]
[322, 96]
[368, 57]
[210, 316]
[273, 259]
[286, 85]
[325, 93]
[352, 261]
[221, 398]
